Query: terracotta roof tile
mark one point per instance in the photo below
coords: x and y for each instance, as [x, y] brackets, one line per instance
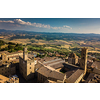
[75, 76]
[44, 71]
[56, 75]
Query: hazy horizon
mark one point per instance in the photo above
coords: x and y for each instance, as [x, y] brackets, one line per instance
[47, 31]
[60, 25]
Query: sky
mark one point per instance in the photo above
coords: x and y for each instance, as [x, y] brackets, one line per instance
[64, 25]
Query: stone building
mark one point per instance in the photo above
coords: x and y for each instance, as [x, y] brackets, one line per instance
[27, 65]
[46, 74]
[93, 78]
[3, 79]
[4, 57]
[48, 69]
[12, 79]
[1, 52]
[10, 56]
[9, 62]
[7, 68]
[73, 59]
[83, 61]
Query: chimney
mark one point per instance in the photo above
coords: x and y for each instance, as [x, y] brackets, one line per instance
[25, 53]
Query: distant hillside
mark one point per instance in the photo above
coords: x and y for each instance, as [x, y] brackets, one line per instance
[10, 47]
[18, 34]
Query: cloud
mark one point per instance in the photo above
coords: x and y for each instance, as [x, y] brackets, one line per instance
[9, 21]
[55, 28]
[65, 26]
[19, 22]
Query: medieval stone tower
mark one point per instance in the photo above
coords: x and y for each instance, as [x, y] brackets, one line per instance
[83, 62]
[27, 65]
[25, 53]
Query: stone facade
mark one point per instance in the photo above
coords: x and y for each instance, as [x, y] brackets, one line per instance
[45, 70]
[11, 56]
[8, 66]
[83, 61]
[4, 57]
[25, 54]
[27, 66]
[7, 69]
[73, 59]
[41, 78]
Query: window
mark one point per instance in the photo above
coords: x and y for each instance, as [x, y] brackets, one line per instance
[83, 58]
[83, 54]
[30, 67]
[30, 63]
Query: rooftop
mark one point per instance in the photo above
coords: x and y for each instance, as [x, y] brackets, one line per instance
[29, 57]
[72, 72]
[3, 79]
[38, 66]
[75, 76]
[4, 64]
[44, 71]
[91, 75]
[48, 71]
[93, 78]
[6, 52]
[97, 63]
[13, 56]
[20, 51]
[7, 63]
[56, 75]
[46, 59]
[56, 63]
